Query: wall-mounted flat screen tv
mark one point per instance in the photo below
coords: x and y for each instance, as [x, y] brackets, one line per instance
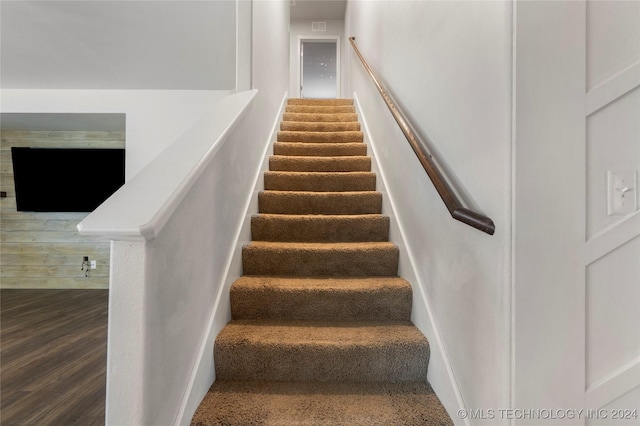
[66, 179]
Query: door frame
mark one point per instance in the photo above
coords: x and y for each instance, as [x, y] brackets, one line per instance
[318, 39]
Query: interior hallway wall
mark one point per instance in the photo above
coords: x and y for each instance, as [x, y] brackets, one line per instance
[449, 66]
[151, 45]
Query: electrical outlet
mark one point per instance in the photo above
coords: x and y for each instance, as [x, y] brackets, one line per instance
[93, 264]
[621, 189]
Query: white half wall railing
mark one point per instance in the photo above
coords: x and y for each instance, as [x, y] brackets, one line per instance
[172, 229]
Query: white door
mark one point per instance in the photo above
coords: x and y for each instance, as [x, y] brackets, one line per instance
[319, 77]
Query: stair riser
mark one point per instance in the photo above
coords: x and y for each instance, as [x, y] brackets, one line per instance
[320, 137]
[320, 118]
[319, 229]
[319, 149]
[325, 102]
[303, 126]
[391, 304]
[314, 164]
[320, 109]
[285, 261]
[320, 182]
[323, 203]
[322, 363]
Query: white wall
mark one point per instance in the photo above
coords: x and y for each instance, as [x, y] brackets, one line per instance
[171, 294]
[449, 65]
[530, 128]
[302, 28]
[577, 115]
[613, 126]
[252, 141]
[168, 254]
[162, 300]
[169, 316]
[270, 60]
[154, 118]
[244, 23]
[549, 200]
[156, 45]
[187, 268]
[612, 266]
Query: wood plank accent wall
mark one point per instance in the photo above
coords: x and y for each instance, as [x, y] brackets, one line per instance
[45, 250]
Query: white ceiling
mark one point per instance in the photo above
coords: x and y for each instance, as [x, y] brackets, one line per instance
[317, 9]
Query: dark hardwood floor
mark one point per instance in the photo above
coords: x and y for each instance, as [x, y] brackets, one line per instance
[53, 347]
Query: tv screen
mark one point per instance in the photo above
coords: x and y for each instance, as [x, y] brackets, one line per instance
[65, 179]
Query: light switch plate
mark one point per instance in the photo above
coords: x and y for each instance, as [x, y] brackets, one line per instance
[93, 264]
[621, 192]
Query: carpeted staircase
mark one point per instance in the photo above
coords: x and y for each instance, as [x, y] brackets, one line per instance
[321, 330]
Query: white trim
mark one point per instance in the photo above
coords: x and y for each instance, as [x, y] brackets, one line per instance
[243, 45]
[299, 65]
[613, 237]
[203, 368]
[439, 358]
[614, 385]
[613, 88]
[511, 275]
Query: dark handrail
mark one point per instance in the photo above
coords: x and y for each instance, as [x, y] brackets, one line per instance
[455, 206]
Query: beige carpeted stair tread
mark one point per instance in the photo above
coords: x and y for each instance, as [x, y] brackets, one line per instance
[320, 181]
[304, 202]
[320, 117]
[321, 299]
[322, 137]
[319, 164]
[320, 109]
[320, 228]
[327, 351]
[321, 404]
[319, 149]
[358, 259]
[339, 334]
[304, 126]
[316, 101]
